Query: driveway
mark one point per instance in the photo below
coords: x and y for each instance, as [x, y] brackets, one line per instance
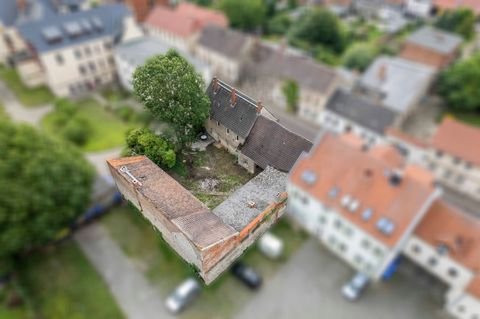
[18, 112]
[309, 287]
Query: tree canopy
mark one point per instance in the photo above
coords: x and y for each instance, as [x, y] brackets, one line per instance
[175, 93]
[45, 185]
[156, 148]
[460, 84]
[244, 14]
[359, 56]
[319, 27]
[291, 92]
[461, 21]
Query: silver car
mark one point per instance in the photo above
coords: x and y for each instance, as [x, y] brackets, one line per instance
[183, 295]
[354, 288]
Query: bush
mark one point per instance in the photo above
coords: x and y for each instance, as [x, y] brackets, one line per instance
[279, 24]
[359, 56]
[461, 21]
[145, 142]
[77, 131]
[125, 112]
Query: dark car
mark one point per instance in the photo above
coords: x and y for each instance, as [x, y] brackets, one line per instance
[247, 275]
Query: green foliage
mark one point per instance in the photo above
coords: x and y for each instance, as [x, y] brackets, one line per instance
[291, 92]
[44, 185]
[280, 24]
[461, 21]
[203, 3]
[459, 84]
[359, 56]
[125, 112]
[145, 142]
[175, 93]
[244, 14]
[77, 131]
[319, 26]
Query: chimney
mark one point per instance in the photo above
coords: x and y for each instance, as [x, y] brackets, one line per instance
[216, 86]
[382, 73]
[233, 97]
[259, 107]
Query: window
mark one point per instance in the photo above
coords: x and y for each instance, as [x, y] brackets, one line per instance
[468, 165]
[452, 272]
[342, 247]
[77, 53]
[416, 249]
[323, 220]
[366, 243]
[111, 61]
[358, 259]
[228, 131]
[107, 45]
[348, 231]
[237, 137]
[218, 123]
[439, 154]
[456, 160]
[378, 252]
[461, 308]
[59, 59]
[82, 69]
[460, 179]
[432, 261]
[337, 224]
[304, 200]
[88, 51]
[92, 66]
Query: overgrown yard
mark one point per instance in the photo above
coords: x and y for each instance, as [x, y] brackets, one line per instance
[165, 268]
[105, 129]
[58, 283]
[27, 96]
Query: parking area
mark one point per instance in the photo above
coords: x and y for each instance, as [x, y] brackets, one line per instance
[309, 287]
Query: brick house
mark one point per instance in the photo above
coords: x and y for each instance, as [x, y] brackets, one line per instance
[433, 47]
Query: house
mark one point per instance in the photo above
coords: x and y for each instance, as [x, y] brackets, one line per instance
[432, 47]
[369, 207]
[455, 165]
[134, 53]
[73, 52]
[271, 144]
[447, 245]
[142, 8]
[180, 26]
[396, 83]
[444, 5]
[371, 8]
[232, 115]
[362, 204]
[209, 240]
[419, 8]
[224, 50]
[348, 112]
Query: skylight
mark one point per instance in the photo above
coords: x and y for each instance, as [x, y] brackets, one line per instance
[309, 177]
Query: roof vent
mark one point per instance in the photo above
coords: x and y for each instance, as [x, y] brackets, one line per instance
[309, 177]
[367, 214]
[251, 204]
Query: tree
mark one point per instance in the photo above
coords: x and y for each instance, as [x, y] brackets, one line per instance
[175, 93]
[244, 14]
[459, 84]
[461, 21]
[77, 130]
[319, 26]
[145, 142]
[44, 186]
[291, 92]
[359, 56]
[279, 24]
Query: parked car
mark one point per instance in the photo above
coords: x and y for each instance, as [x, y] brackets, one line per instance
[353, 289]
[271, 246]
[183, 295]
[247, 275]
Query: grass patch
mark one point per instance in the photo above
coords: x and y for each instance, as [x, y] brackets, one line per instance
[58, 283]
[27, 96]
[115, 95]
[106, 129]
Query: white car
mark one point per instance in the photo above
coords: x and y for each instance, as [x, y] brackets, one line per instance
[271, 246]
[183, 295]
[354, 288]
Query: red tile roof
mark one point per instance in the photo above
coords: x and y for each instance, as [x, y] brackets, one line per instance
[364, 176]
[453, 4]
[184, 20]
[396, 133]
[459, 232]
[458, 139]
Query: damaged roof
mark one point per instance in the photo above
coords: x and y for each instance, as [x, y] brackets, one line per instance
[271, 144]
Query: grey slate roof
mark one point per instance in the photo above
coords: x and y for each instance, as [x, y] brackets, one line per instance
[227, 42]
[436, 39]
[262, 190]
[139, 50]
[238, 118]
[271, 144]
[110, 15]
[361, 111]
[8, 12]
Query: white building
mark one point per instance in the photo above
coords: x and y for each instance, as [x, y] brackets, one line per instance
[133, 53]
[419, 8]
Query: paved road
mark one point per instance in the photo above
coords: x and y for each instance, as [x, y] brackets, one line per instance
[308, 286]
[98, 160]
[18, 112]
[134, 294]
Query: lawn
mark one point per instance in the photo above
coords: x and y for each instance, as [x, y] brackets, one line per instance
[106, 129]
[59, 283]
[27, 96]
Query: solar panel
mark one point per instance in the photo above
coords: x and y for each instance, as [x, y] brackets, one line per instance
[52, 33]
[73, 29]
[309, 177]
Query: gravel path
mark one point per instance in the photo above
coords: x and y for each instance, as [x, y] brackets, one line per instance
[134, 294]
[20, 113]
[99, 159]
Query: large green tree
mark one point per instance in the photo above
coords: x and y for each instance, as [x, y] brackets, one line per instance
[145, 142]
[319, 27]
[359, 56]
[175, 93]
[460, 84]
[461, 21]
[244, 14]
[44, 186]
